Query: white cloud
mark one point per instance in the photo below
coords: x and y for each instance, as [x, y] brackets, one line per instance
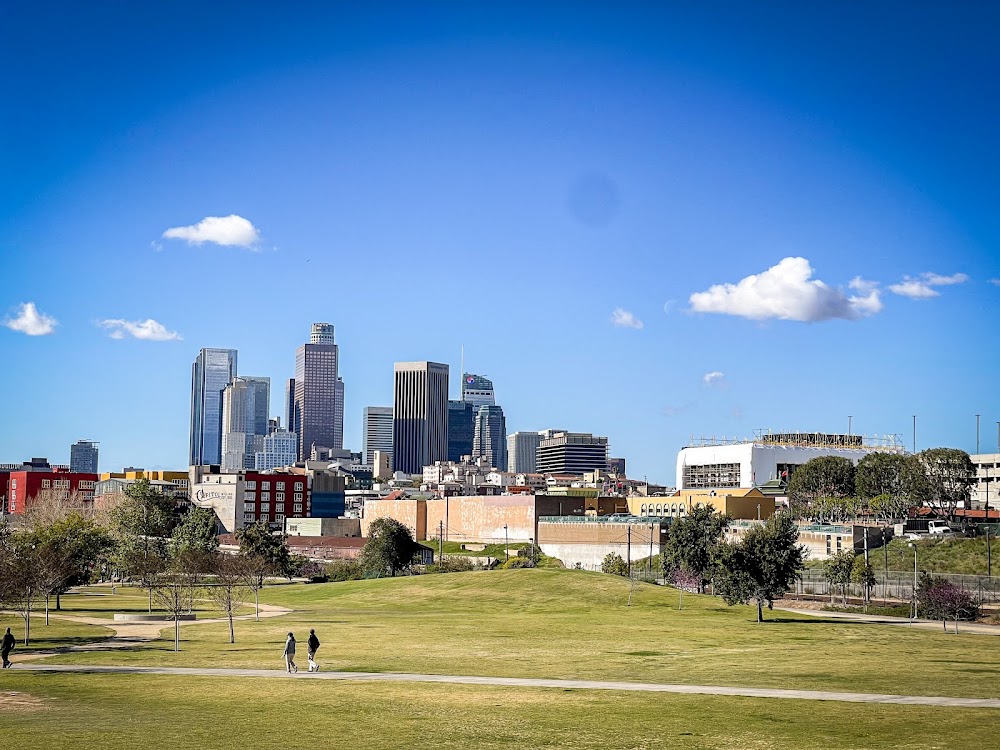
[147, 330]
[31, 322]
[922, 286]
[232, 230]
[624, 319]
[713, 378]
[995, 282]
[787, 291]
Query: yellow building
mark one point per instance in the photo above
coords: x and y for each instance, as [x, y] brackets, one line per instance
[180, 478]
[737, 503]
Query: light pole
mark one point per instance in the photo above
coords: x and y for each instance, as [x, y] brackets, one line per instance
[977, 434]
[850, 419]
[506, 544]
[913, 596]
[914, 433]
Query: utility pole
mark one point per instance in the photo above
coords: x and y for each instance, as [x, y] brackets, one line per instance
[867, 591]
[506, 544]
[850, 419]
[440, 541]
[914, 433]
[629, 549]
[977, 434]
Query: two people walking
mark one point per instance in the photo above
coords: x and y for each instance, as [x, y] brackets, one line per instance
[5, 647]
[312, 645]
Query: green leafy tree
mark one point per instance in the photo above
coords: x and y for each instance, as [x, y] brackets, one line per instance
[837, 570]
[614, 564]
[821, 477]
[897, 480]
[138, 524]
[21, 584]
[266, 554]
[197, 530]
[950, 475]
[691, 543]
[70, 547]
[389, 550]
[863, 573]
[761, 566]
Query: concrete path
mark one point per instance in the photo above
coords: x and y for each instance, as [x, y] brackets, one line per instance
[977, 628]
[643, 687]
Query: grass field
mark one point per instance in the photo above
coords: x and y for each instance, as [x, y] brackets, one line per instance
[575, 624]
[121, 712]
[58, 634]
[948, 555]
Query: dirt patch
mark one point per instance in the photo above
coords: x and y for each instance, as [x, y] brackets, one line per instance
[800, 604]
[20, 702]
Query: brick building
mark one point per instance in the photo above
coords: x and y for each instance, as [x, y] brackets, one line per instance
[23, 486]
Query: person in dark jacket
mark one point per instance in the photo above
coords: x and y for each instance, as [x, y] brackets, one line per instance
[289, 654]
[313, 646]
[5, 647]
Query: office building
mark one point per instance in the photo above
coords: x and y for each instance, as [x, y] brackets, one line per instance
[318, 405]
[211, 372]
[24, 486]
[461, 429]
[420, 415]
[381, 465]
[490, 439]
[750, 463]
[290, 403]
[239, 407]
[376, 432]
[83, 457]
[571, 453]
[262, 402]
[521, 450]
[477, 390]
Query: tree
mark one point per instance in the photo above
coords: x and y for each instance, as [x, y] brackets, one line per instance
[139, 523]
[837, 570]
[20, 582]
[390, 548]
[265, 553]
[897, 480]
[760, 566]
[70, 546]
[197, 531]
[691, 542]
[683, 580]
[939, 598]
[950, 476]
[230, 587]
[862, 572]
[614, 564]
[824, 476]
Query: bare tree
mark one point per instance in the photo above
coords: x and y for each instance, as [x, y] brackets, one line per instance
[21, 583]
[232, 574]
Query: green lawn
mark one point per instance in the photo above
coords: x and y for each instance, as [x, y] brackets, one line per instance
[953, 554]
[575, 624]
[121, 712]
[57, 634]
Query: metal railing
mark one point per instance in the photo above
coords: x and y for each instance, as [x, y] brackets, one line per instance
[897, 586]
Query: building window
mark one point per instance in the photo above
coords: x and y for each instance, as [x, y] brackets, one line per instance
[279, 507]
[839, 539]
[279, 486]
[251, 485]
[46, 483]
[279, 517]
[251, 497]
[279, 496]
[265, 507]
[248, 517]
[828, 545]
[712, 475]
[298, 497]
[265, 496]
[298, 507]
[265, 485]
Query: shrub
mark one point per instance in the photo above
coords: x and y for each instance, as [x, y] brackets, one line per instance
[450, 564]
[344, 570]
[614, 564]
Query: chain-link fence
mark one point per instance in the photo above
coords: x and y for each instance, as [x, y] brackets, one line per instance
[897, 586]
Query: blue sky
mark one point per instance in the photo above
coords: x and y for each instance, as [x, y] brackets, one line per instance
[532, 181]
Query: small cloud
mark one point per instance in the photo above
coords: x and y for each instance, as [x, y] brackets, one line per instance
[787, 291]
[230, 231]
[624, 319]
[713, 378]
[31, 322]
[995, 282]
[675, 410]
[146, 330]
[922, 286]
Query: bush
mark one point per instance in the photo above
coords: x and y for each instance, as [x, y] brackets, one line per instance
[344, 570]
[940, 599]
[518, 562]
[614, 564]
[450, 564]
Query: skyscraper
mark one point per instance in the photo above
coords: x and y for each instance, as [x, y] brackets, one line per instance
[318, 406]
[83, 457]
[262, 402]
[377, 432]
[420, 415]
[212, 371]
[290, 405]
[490, 441]
[571, 453]
[521, 450]
[461, 429]
[477, 390]
[238, 409]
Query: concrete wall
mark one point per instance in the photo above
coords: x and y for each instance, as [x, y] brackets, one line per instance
[587, 542]
[411, 512]
[481, 518]
[339, 527]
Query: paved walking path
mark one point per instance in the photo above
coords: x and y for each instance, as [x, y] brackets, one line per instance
[644, 687]
[978, 628]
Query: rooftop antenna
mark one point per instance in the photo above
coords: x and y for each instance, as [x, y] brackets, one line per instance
[461, 375]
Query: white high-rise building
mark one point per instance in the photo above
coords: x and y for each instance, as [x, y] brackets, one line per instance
[377, 432]
[278, 449]
[238, 410]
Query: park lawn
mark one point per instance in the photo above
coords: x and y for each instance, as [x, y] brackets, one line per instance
[100, 602]
[575, 624]
[57, 634]
[121, 712]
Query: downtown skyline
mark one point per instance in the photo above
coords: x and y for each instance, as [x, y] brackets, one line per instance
[726, 226]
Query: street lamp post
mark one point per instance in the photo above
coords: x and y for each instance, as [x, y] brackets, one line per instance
[913, 596]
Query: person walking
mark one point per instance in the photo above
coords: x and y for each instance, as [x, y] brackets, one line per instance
[312, 646]
[6, 646]
[290, 654]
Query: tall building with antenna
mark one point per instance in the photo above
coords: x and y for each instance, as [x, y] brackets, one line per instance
[318, 402]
